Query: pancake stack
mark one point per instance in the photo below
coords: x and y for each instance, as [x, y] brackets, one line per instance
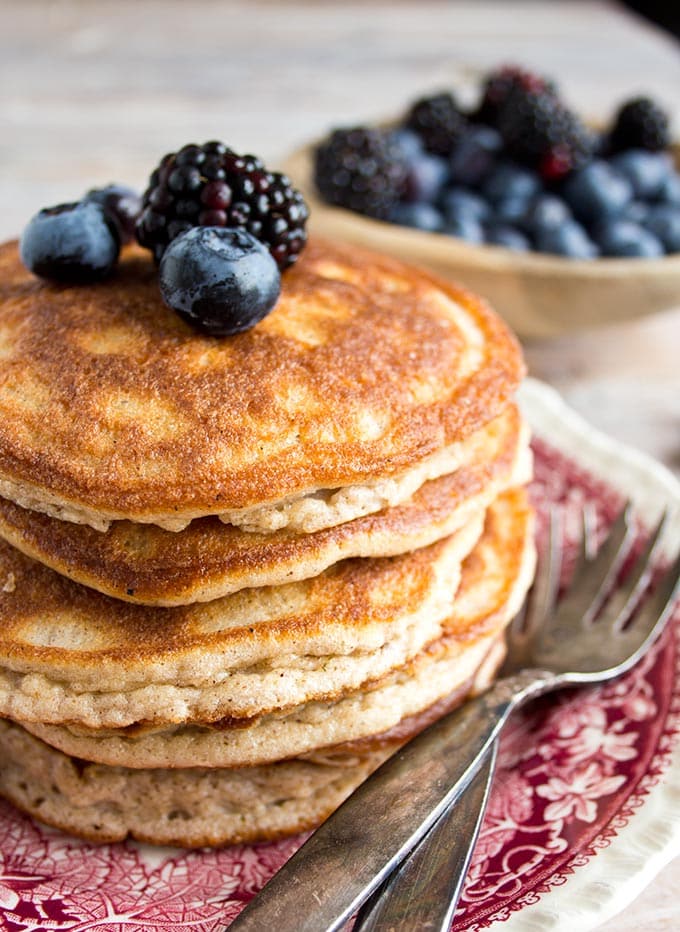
[236, 574]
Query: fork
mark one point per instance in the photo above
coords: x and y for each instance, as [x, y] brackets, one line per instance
[423, 892]
[350, 854]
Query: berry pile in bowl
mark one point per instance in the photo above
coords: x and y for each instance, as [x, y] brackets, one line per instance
[561, 225]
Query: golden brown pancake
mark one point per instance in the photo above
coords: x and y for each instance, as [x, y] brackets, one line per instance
[495, 577]
[198, 805]
[194, 807]
[71, 655]
[146, 564]
[112, 408]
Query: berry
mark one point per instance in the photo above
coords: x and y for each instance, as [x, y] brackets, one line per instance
[546, 212]
[511, 210]
[421, 215]
[669, 192]
[663, 221]
[457, 202]
[362, 169]
[645, 170]
[510, 180]
[212, 186]
[71, 243]
[465, 227]
[427, 175]
[122, 204]
[539, 131]
[438, 122]
[640, 124]
[618, 237]
[500, 83]
[569, 239]
[503, 234]
[474, 155]
[220, 280]
[597, 191]
[409, 142]
[637, 211]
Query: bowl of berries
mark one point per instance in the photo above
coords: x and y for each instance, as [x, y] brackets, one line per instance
[560, 224]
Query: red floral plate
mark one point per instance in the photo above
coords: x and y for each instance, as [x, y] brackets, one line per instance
[585, 808]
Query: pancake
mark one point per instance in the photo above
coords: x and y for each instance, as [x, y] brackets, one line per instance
[111, 408]
[197, 807]
[71, 655]
[495, 578]
[146, 564]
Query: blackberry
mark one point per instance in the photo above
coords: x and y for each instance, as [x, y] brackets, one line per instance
[539, 131]
[438, 122]
[210, 185]
[500, 83]
[640, 124]
[362, 169]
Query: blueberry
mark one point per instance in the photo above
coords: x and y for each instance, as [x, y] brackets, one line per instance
[511, 209]
[510, 180]
[219, 279]
[474, 155]
[669, 192]
[569, 239]
[624, 238]
[409, 142]
[427, 175]
[122, 204]
[465, 227]
[597, 191]
[500, 234]
[457, 201]
[663, 221]
[646, 171]
[419, 215]
[546, 212]
[70, 243]
[636, 211]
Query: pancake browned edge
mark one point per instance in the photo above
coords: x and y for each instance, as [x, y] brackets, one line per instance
[112, 408]
[145, 564]
[493, 580]
[208, 806]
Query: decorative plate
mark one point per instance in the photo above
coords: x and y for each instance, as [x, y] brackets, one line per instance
[584, 812]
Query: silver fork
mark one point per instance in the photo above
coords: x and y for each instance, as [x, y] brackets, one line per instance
[423, 892]
[350, 855]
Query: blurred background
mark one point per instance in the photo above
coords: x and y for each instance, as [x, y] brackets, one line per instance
[94, 91]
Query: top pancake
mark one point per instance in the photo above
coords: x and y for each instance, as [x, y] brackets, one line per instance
[112, 408]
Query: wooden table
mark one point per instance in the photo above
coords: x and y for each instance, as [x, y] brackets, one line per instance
[95, 92]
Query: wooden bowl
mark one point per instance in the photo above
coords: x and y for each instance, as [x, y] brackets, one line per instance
[539, 295]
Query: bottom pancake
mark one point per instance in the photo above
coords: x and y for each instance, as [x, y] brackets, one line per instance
[197, 807]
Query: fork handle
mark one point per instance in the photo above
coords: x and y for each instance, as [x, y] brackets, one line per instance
[363, 841]
[422, 894]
